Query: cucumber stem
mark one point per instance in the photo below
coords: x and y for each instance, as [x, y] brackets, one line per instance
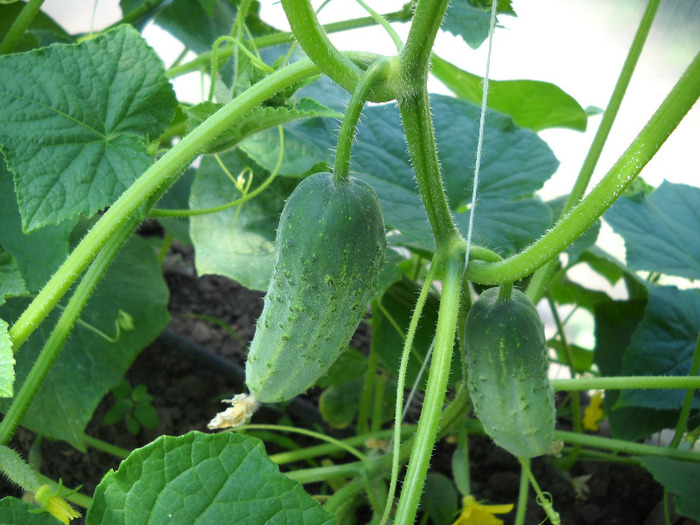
[505, 292]
[377, 72]
[435, 392]
[572, 225]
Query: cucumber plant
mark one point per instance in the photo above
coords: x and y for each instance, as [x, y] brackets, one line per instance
[396, 223]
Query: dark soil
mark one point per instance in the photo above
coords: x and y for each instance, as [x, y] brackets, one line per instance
[187, 394]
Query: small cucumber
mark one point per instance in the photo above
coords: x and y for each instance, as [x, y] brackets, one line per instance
[507, 365]
[330, 248]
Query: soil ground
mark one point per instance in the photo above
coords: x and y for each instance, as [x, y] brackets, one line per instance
[187, 395]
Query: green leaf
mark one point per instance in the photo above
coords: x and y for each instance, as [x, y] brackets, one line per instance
[259, 119]
[615, 322]
[41, 31]
[202, 478]
[663, 344]
[7, 362]
[532, 104]
[339, 403]
[75, 118]
[469, 22]
[89, 366]
[238, 242]
[12, 283]
[509, 225]
[439, 499]
[565, 291]
[13, 511]
[661, 229]
[147, 415]
[351, 364]
[195, 25]
[37, 255]
[582, 357]
[682, 478]
[515, 165]
[307, 147]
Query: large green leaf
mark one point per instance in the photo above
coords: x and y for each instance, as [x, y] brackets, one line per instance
[89, 366]
[661, 229]
[14, 511]
[532, 104]
[663, 344]
[36, 255]
[515, 165]
[682, 478]
[7, 362]
[75, 117]
[197, 25]
[238, 242]
[202, 478]
[615, 322]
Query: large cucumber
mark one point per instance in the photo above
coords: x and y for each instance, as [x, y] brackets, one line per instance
[330, 249]
[507, 365]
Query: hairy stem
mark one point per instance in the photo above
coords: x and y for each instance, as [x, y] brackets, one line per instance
[541, 278]
[435, 391]
[420, 137]
[571, 226]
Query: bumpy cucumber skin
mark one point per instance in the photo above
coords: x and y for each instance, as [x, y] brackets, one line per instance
[507, 365]
[330, 249]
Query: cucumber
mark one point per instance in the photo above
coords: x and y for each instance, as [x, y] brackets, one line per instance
[507, 365]
[330, 248]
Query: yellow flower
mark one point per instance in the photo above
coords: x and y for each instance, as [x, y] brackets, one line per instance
[55, 505]
[474, 513]
[593, 413]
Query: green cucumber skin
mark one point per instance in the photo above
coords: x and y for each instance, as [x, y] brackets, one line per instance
[330, 249]
[507, 365]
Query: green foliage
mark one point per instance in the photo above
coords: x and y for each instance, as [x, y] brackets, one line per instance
[666, 217]
[92, 138]
[202, 478]
[532, 104]
[681, 479]
[133, 407]
[90, 365]
[89, 137]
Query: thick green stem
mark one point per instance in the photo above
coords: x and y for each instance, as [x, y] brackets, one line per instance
[626, 383]
[21, 23]
[420, 137]
[435, 391]
[61, 331]
[346, 136]
[626, 447]
[315, 43]
[158, 176]
[415, 55]
[541, 278]
[583, 215]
